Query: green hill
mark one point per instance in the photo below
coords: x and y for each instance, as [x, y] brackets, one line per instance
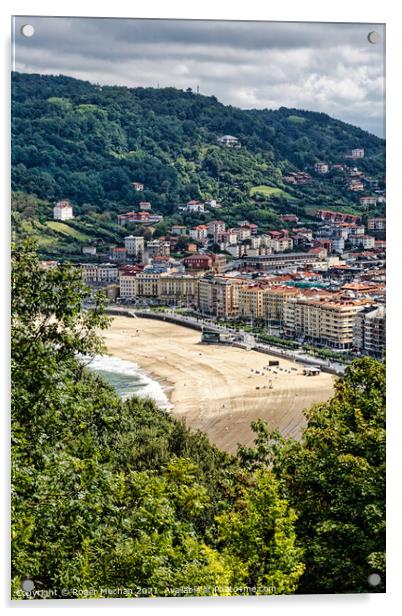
[87, 143]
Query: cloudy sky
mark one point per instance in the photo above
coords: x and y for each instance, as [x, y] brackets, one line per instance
[321, 67]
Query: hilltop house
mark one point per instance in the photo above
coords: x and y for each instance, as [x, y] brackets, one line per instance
[229, 141]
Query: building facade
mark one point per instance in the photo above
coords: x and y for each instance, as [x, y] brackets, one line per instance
[370, 332]
[135, 246]
[323, 322]
[63, 210]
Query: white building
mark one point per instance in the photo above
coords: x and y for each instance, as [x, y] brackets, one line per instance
[368, 200]
[135, 246]
[229, 141]
[103, 273]
[63, 210]
[357, 153]
[367, 241]
[195, 206]
[279, 244]
[321, 168]
[89, 250]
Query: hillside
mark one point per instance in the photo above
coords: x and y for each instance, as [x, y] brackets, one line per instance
[87, 143]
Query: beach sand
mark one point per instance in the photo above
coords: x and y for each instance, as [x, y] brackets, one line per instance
[215, 388]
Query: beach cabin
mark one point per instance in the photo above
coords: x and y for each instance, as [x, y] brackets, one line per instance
[311, 370]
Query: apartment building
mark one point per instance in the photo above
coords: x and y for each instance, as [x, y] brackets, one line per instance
[135, 246]
[279, 244]
[323, 322]
[370, 331]
[241, 233]
[216, 228]
[274, 299]
[158, 248]
[147, 285]
[219, 296]
[304, 232]
[179, 290]
[102, 273]
[128, 285]
[250, 301]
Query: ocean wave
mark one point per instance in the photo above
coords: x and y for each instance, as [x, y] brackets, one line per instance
[127, 378]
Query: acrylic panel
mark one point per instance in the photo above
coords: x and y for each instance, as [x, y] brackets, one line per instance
[198, 308]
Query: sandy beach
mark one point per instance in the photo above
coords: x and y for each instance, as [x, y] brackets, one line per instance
[216, 388]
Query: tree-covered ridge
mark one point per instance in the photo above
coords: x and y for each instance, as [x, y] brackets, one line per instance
[75, 140]
[112, 494]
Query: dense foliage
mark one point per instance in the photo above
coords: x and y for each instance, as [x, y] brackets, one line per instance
[110, 494]
[76, 140]
[335, 480]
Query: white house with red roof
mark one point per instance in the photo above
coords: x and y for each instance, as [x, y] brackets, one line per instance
[63, 210]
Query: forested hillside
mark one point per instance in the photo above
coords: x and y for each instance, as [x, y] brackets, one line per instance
[87, 143]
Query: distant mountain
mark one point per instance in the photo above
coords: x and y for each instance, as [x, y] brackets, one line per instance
[76, 140]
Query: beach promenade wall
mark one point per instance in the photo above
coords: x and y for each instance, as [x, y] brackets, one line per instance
[160, 316]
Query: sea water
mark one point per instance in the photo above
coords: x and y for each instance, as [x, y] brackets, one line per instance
[127, 378]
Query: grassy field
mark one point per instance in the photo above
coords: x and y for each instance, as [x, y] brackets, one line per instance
[296, 119]
[270, 191]
[61, 227]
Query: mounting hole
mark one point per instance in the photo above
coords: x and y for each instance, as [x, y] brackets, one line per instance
[27, 585]
[27, 30]
[373, 37]
[374, 579]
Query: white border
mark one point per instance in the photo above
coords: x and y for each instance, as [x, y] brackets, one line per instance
[293, 10]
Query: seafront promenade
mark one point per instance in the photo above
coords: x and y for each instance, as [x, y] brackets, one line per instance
[243, 339]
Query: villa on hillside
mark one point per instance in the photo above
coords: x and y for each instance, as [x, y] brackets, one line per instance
[63, 210]
[229, 141]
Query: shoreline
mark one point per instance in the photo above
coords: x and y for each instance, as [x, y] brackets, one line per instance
[217, 389]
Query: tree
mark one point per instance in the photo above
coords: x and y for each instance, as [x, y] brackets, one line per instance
[335, 480]
[258, 538]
